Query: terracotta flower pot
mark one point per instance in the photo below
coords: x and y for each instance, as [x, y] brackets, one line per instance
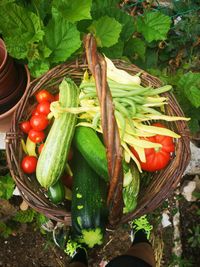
[9, 77]
[3, 54]
[14, 99]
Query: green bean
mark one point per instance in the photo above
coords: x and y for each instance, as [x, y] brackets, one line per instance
[121, 122]
[96, 120]
[160, 90]
[129, 103]
[148, 110]
[121, 108]
[137, 99]
[88, 95]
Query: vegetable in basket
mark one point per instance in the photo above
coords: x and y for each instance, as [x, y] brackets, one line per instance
[91, 148]
[156, 159]
[89, 212]
[56, 192]
[53, 157]
[135, 107]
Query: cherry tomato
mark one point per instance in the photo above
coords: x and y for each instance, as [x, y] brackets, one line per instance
[36, 136]
[35, 112]
[40, 148]
[56, 97]
[43, 108]
[156, 159]
[29, 164]
[44, 95]
[25, 126]
[39, 122]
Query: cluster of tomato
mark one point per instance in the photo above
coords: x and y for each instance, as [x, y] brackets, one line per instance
[35, 126]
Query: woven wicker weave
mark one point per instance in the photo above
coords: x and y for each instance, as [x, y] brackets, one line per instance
[161, 184]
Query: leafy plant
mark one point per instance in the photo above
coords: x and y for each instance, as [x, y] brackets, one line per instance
[194, 239]
[6, 186]
[180, 261]
[5, 230]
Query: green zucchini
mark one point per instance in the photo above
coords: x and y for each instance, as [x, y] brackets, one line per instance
[88, 210]
[53, 157]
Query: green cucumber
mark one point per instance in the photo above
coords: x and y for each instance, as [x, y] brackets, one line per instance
[88, 210]
[56, 192]
[53, 157]
[92, 149]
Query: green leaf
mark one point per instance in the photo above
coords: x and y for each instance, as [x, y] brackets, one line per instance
[24, 216]
[62, 38]
[73, 11]
[106, 31]
[111, 9]
[19, 28]
[190, 84]
[5, 230]
[7, 186]
[135, 46]
[38, 67]
[153, 25]
[115, 51]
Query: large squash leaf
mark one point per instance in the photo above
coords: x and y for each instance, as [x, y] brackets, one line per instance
[153, 25]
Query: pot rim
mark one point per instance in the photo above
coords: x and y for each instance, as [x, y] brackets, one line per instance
[10, 111]
[3, 46]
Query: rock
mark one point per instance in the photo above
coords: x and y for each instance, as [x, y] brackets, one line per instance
[189, 187]
[165, 219]
[194, 166]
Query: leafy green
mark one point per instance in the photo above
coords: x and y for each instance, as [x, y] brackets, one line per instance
[110, 8]
[135, 46]
[20, 28]
[114, 51]
[73, 11]
[153, 25]
[106, 30]
[5, 230]
[62, 38]
[24, 216]
[6, 186]
[189, 84]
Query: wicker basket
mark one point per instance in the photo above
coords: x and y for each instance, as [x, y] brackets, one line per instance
[161, 184]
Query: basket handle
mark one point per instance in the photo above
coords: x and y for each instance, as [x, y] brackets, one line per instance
[97, 66]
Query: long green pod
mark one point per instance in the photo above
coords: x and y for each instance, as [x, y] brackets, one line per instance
[52, 160]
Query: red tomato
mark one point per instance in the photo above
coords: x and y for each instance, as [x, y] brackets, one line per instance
[44, 95]
[35, 112]
[29, 164]
[157, 159]
[39, 122]
[56, 97]
[43, 108]
[40, 148]
[36, 136]
[25, 126]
